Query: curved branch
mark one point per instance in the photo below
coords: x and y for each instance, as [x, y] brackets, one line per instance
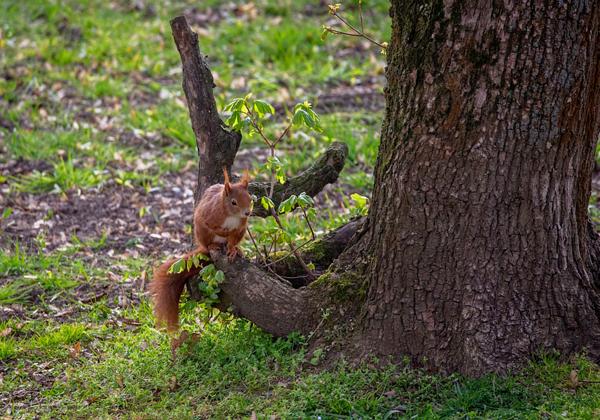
[274, 305]
[321, 253]
[271, 304]
[325, 170]
[217, 146]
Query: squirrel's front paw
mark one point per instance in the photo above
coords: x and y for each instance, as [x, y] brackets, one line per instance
[233, 252]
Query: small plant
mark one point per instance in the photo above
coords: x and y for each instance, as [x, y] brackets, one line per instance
[360, 207]
[249, 116]
[64, 176]
[211, 277]
[186, 264]
[210, 284]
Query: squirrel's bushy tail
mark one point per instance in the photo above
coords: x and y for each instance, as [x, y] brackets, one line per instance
[166, 289]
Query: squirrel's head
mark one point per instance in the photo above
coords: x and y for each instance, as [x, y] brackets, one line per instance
[236, 197]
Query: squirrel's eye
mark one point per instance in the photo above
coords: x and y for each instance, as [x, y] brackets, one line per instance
[234, 202]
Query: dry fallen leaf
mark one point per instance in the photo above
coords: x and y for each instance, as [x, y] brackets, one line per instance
[574, 378]
[5, 332]
[75, 350]
[173, 383]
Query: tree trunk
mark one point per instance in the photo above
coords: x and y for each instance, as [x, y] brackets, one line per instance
[477, 251]
[478, 229]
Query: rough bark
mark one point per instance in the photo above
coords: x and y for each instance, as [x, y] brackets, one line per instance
[320, 253]
[217, 146]
[271, 304]
[477, 252]
[325, 170]
[480, 244]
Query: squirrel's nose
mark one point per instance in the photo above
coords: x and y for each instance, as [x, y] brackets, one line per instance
[247, 213]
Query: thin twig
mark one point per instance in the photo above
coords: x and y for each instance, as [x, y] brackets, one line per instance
[338, 32]
[283, 134]
[288, 254]
[278, 275]
[257, 128]
[294, 251]
[272, 174]
[364, 35]
[360, 14]
[308, 223]
[264, 257]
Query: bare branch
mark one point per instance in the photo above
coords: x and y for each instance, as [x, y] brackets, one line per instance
[271, 304]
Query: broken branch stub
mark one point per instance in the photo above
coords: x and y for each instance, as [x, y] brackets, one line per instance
[325, 170]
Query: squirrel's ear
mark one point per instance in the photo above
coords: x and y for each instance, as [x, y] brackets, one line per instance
[245, 178]
[226, 183]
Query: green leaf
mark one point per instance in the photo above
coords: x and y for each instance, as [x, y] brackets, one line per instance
[207, 271]
[304, 115]
[360, 200]
[262, 108]
[7, 212]
[316, 357]
[305, 200]
[219, 276]
[177, 267]
[301, 117]
[267, 203]
[280, 176]
[235, 121]
[236, 105]
[198, 258]
[287, 204]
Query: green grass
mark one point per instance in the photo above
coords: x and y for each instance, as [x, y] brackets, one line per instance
[116, 70]
[110, 361]
[92, 92]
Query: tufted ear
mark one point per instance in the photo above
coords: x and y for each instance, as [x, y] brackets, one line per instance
[245, 179]
[226, 183]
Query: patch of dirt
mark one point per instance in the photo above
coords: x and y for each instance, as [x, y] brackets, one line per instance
[366, 96]
[134, 221]
[22, 166]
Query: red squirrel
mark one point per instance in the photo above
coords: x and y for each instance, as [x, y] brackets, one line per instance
[220, 217]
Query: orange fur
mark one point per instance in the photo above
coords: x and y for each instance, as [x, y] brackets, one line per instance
[220, 218]
[166, 289]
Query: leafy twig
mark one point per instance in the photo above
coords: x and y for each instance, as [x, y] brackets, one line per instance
[334, 11]
[292, 248]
